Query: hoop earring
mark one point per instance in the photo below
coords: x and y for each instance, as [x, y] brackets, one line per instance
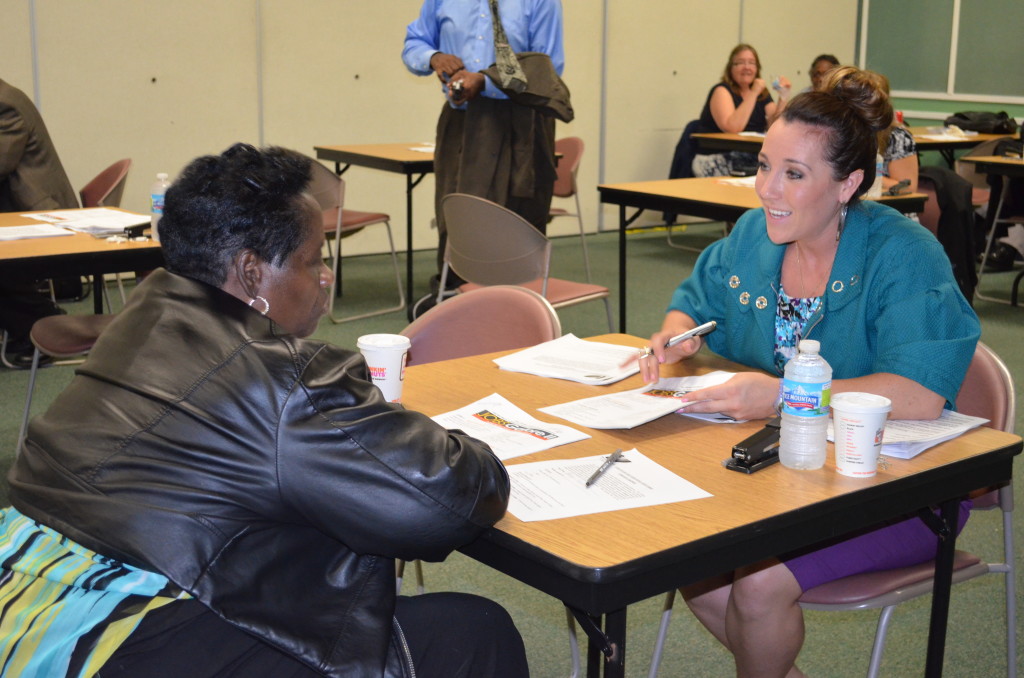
[266, 304]
[842, 220]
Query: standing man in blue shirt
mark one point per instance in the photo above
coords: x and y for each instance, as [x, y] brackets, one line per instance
[487, 145]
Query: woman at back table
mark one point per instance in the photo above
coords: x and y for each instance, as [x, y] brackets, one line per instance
[877, 291]
[739, 103]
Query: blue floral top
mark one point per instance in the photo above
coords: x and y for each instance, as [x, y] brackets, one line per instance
[791, 314]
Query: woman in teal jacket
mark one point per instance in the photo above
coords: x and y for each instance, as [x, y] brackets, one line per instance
[872, 286]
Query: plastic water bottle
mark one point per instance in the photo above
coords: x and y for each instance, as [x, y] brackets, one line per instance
[156, 203]
[806, 392]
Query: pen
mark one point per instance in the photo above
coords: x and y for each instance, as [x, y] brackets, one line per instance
[608, 463]
[698, 331]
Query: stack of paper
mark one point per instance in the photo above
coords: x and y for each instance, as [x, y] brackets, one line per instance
[507, 429]
[31, 231]
[907, 438]
[627, 409]
[98, 221]
[573, 359]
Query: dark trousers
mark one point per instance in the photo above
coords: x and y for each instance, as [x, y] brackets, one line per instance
[450, 635]
[497, 150]
[21, 304]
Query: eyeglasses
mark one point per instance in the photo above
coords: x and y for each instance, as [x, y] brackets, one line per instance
[745, 62]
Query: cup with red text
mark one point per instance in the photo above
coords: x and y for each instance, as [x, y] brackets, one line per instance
[385, 356]
[858, 424]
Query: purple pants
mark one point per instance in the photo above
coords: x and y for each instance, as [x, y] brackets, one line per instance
[901, 544]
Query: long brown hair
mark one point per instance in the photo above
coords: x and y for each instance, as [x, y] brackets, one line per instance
[727, 74]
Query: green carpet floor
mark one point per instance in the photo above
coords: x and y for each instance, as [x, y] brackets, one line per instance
[838, 644]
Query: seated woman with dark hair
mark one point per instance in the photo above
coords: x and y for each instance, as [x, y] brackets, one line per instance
[214, 495]
[877, 291]
[739, 103]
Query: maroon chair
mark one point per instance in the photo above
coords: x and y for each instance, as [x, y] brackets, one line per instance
[570, 153]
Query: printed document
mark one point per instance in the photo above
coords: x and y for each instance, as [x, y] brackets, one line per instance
[907, 438]
[507, 429]
[32, 231]
[627, 409]
[94, 220]
[573, 359]
[545, 490]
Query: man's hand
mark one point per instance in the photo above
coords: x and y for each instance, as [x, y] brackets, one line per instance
[445, 65]
[465, 86]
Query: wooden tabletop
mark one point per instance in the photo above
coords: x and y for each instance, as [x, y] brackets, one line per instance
[997, 164]
[398, 157]
[690, 448]
[66, 245]
[711, 197]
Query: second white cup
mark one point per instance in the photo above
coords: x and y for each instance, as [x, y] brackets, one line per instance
[858, 421]
[385, 356]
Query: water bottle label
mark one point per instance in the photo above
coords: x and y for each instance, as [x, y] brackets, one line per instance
[156, 203]
[806, 399]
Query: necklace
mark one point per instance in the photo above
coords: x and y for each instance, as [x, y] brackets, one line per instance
[800, 268]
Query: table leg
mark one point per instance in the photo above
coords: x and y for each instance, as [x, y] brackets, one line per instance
[615, 630]
[410, 184]
[943, 582]
[97, 293]
[622, 268]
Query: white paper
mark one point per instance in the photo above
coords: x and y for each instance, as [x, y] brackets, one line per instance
[545, 490]
[572, 358]
[907, 438]
[423, 148]
[94, 220]
[32, 231]
[752, 134]
[627, 409]
[507, 429]
[747, 182]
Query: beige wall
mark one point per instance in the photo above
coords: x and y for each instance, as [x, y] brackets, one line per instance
[164, 82]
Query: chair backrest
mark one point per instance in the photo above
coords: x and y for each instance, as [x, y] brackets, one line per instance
[328, 189]
[571, 150]
[491, 245]
[968, 170]
[929, 216]
[107, 187]
[987, 390]
[487, 319]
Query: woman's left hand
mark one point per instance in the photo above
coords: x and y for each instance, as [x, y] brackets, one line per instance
[748, 395]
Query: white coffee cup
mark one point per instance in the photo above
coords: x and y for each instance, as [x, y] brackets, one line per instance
[385, 356]
[858, 421]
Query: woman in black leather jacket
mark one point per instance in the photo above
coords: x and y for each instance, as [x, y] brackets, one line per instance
[214, 495]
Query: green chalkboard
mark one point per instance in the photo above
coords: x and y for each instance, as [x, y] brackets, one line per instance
[911, 41]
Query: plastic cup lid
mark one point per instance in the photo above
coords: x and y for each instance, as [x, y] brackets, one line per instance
[383, 341]
[860, 402]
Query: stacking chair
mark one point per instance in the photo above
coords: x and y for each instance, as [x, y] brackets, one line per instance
[485, 320]
[105, 190]
[329, 191]
[571, 151]
[987, 391]
[491, 245]
[65, 337]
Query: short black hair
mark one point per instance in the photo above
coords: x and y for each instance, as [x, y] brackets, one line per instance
[824, 57]
[244, 198]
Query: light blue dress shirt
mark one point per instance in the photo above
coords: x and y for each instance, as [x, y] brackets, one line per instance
[464, 28]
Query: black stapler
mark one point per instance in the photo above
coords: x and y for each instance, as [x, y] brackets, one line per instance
[757, 451]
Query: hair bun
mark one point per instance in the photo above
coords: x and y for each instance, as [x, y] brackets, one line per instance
[865, 92]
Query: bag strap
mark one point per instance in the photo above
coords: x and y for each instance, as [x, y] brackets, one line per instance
[509, 71]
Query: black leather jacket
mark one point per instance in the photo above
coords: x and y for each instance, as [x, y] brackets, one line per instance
[263, 474]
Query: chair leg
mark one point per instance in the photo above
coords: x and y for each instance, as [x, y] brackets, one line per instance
[28, 400]
[399, 573]
[988, 246]
[1011, 594]
[583, 237]
[574, 645]
[3, 350]
[659, 644]
[398, 281]
[878, 647]
[418, 566]
[608, 312]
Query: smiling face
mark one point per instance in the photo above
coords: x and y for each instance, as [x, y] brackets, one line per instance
[298, 290]
[795, 184]
[744, 67]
